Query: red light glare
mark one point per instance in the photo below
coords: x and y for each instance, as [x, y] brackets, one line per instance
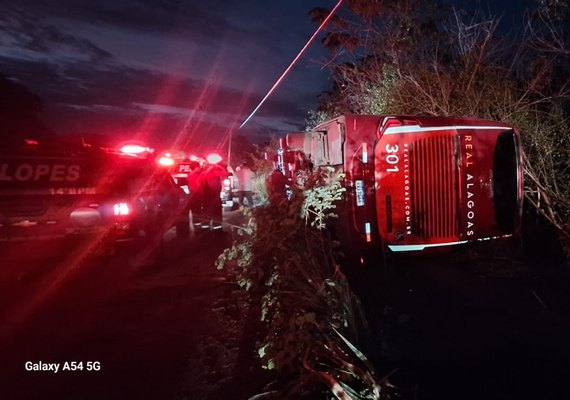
[135, 149]
[213, 158]
[166, 161]
[31, 142]
[121, 209]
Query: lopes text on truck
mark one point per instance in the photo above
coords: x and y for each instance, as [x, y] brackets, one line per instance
[414, 183]
[115, 198]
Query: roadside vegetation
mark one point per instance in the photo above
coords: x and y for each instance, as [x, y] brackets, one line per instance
[307, 324]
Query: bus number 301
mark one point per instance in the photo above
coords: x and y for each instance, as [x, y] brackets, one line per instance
[392, 158]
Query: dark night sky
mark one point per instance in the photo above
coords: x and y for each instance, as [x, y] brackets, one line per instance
[168, 70]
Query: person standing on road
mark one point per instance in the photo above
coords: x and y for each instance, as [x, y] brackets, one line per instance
[244, 176]
[212, 187]
[195, 202]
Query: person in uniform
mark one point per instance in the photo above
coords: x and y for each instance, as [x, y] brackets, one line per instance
[195, 202]
[213, 176]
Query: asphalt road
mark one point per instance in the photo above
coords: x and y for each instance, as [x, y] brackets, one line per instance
[134, 330]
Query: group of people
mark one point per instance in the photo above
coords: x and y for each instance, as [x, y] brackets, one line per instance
[276, 185]
[205, 183]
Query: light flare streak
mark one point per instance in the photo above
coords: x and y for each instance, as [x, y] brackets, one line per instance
[284, 74]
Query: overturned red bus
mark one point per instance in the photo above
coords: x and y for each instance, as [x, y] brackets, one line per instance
[414, 183]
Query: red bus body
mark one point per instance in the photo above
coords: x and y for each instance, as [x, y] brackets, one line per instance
[414, 183]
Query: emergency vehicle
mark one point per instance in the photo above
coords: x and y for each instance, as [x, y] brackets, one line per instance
[115, 196]
[181, 165]
[415, 183]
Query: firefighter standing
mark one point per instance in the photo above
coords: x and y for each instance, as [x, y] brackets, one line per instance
[195, 201]
[211, 189]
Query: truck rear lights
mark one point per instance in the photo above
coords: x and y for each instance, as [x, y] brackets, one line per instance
[121, 209]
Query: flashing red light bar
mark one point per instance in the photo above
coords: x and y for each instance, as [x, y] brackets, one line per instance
[166, 161]
[135, 149]
[213, 158]
[121, 209]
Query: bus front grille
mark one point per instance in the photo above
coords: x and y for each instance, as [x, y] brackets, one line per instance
[434, 187]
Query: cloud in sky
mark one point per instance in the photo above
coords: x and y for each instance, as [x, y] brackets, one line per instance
[159, 67]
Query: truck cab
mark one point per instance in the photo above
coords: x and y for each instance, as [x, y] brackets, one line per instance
[56, 190]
